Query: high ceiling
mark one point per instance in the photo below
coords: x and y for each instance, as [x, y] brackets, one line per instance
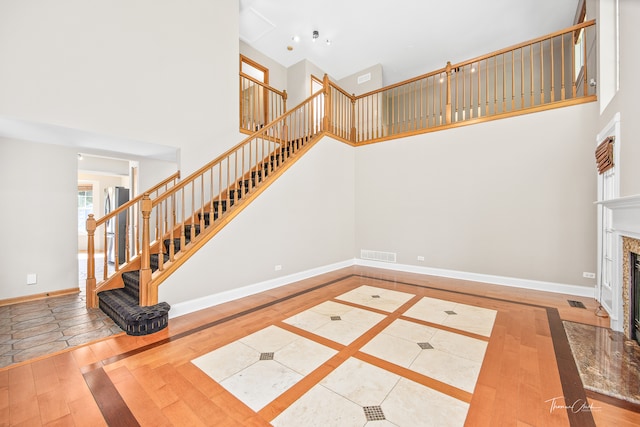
[407, 37]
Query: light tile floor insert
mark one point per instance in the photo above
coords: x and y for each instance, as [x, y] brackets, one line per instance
[394, 377]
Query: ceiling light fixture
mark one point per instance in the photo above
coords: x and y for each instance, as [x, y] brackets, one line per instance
[315, 35]
[295, 38]
[328, 42]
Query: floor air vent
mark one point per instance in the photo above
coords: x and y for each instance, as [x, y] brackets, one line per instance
[378, 256]
[577, 304]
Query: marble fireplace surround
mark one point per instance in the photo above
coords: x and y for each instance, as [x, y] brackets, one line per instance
[626, 225]
[628, 245]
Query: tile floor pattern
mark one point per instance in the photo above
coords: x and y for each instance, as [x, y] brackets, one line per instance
[38, 328]
[357, 393]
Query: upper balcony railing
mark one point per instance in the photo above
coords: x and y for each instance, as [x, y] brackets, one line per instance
[547, 72]
[259, 104]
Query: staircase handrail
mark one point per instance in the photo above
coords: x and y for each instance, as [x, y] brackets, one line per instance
[180, 213]
[282, 93]
[173, 178]
[260, 103]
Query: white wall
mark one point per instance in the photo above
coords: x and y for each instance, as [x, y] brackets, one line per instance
[625, 101]
[299, 81]
[137, 69]
[38, 189]
[303, 221]
[350, 83]
[509, 198]
[141, 70]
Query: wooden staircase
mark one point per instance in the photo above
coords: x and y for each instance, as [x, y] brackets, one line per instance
[185, 220]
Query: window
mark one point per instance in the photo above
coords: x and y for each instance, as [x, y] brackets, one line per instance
[253, 69]
[85, 206]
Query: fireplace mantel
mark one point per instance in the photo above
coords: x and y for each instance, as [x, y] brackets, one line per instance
[628, 202]
[626, 214]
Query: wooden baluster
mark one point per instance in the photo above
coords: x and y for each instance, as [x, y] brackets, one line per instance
[159, 231]
[479, 104]
[92, 297]
[464, 95]
[147, 295]
[522, 78]
[486, 86]
[542, 72]
[504, 84]
[562, 90]
[585, 85]
[105, 245]
[495, 85]
[513, 81]
[531, 74]
[353, 119]
[448, 94]
[553, 97]
[127, 232]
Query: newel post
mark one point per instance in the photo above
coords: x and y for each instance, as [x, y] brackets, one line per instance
[327, 103]
[284, 100]
[92, 297]
[448, 107]
[146, 295]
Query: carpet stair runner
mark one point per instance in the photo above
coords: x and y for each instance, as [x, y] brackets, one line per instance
[122, 304]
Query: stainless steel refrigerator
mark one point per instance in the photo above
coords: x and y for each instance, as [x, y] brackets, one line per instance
[114, 197]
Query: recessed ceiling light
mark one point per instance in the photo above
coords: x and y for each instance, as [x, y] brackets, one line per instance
[289, 47]
[328, 42]
[296, 39]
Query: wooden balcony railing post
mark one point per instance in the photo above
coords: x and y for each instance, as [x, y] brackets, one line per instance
[92, 298]
[327, 103]
[146, 295]
[284, 101]
[448, 94]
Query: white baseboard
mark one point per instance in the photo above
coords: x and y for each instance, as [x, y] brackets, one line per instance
[233, 294]
[560, 288]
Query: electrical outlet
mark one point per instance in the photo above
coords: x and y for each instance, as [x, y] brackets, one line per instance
[32, 279]
[278, 267]
[420, 258]
[588, 275]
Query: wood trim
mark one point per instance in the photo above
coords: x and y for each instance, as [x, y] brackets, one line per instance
[551, 106]
[35, 297]
[113, 407]
[256, 65]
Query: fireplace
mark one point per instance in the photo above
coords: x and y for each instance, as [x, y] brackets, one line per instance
[620, 298]
[631, 287]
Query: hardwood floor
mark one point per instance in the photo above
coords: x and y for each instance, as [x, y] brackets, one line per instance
[528, 376]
